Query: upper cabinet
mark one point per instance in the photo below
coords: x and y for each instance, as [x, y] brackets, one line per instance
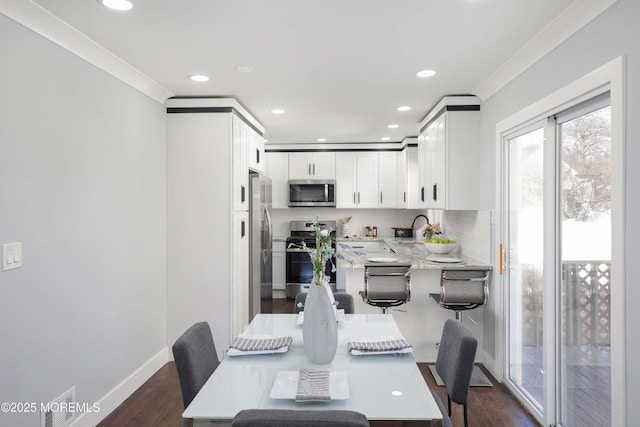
[408, 197]
[388, 179]
[240, 172]
[448, 155]
[357, 180]
[278, 171]
[312, 165]
[255, 153]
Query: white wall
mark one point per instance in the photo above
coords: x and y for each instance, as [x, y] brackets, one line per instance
[613, 33]
[82, 186]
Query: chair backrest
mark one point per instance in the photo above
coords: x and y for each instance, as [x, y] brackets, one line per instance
[298, 418]
[345, 302]
[387, 285]
[455, 359]
[196, 359]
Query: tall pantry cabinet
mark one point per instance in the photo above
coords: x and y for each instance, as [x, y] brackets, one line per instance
[208, 144]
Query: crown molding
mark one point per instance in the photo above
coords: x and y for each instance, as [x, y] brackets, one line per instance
[572, 19]
[44, 23]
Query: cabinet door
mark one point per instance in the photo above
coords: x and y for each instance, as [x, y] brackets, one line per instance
[240, 172]
[323, 166]
[388, 179]
[367, 180]
[436, 186]
[255, 153]
[403, 181]
[279, 271]
[240, 273]
[346, 165]
[423, 168]
[299, 165]
[278, 171]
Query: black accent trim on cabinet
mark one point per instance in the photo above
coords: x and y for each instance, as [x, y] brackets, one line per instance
[178, 110]
[450, 108]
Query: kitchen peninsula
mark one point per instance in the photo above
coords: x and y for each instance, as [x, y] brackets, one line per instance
[421, 319]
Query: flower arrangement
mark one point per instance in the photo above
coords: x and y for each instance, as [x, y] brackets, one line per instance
[430, 230]
[324, 251]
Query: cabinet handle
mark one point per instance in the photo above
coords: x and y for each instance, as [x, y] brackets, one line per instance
[381, 197]
[435, 192]
[354, 197]
[404, 196]
[309, 169]
[422, 194]
[242, 228]
[314, 169]
[242, 193]
[257, 156]
[358, 197]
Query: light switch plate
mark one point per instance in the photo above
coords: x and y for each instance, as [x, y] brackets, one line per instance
[11, 256]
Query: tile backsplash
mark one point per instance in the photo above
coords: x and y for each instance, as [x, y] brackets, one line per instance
[472, 229]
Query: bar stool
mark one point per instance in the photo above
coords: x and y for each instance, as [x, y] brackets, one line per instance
[386, 284]
[463, 290]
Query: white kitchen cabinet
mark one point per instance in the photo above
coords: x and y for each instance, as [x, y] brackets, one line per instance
[388, 179]
[240, 179]
[278, 170]
[206, 260]
[240, 272]
[356, 180]
[312, 165]
[449, 155]
[279, 266]
[408, 179]
[255, 153]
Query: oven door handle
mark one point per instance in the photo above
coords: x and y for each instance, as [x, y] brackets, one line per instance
[296, 250]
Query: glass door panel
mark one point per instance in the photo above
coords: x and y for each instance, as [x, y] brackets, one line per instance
[525, 262]
[585, 202]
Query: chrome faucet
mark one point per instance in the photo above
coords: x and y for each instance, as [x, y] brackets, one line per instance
[418, 216]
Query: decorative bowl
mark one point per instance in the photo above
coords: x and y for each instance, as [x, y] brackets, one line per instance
[440, 248]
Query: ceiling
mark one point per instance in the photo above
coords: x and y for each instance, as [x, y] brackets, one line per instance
[339, 68]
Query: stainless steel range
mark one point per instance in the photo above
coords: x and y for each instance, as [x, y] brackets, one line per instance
[299, 268]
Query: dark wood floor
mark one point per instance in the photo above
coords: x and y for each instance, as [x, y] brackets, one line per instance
[158, 402]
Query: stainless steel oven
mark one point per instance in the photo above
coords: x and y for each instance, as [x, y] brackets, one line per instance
[299, 269]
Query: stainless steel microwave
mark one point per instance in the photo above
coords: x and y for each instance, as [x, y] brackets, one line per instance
[312, 192]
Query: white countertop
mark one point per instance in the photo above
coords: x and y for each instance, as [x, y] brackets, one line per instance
[414, 252]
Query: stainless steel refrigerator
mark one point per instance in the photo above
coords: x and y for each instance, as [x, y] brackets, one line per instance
[260, 264]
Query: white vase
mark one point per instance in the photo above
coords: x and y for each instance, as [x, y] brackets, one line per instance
[319, 330]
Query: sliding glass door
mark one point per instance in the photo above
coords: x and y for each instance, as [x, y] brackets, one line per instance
[557, 206]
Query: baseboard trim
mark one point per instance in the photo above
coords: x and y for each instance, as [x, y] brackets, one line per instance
[122, 391]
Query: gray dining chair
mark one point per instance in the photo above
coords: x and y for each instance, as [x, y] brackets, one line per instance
[345, 302]
[454, 362]
[298, 418]
[446, 421]
[196, 359]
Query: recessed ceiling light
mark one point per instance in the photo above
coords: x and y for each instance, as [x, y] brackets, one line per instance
[393, 126]
[426, 73]
[117, 4]
[244, 68]
[321, 139]
[277, 111]
[404, 108]
[199, 78]
[385, 138]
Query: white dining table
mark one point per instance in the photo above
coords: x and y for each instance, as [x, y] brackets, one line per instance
[382, 387]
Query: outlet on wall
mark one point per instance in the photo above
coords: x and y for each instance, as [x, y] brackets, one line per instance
[11, 256]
